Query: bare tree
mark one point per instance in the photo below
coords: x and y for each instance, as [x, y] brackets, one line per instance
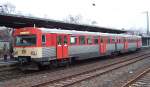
[93, 22]
[7, 8]
[73, 19]
[78, 19]
[134, 30]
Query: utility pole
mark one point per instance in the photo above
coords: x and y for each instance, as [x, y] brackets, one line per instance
[147, 17]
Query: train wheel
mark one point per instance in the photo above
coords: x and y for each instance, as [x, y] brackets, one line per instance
[40, 66]
[29, 66]
[72, 60]
[63, 62]
[54, 63]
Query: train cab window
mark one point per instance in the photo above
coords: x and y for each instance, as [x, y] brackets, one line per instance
[73, 40]
[82, 39]
[25, 40]
[59, 40]
[95, 40]
[43, 39]
[89, 40]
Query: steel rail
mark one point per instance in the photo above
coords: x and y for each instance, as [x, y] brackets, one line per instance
[136, 78]
[84, 73]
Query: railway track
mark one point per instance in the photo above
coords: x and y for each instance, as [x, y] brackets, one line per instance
[9, 73]
[70, 80]
[135, 83]
[18, 78]
[10, 68]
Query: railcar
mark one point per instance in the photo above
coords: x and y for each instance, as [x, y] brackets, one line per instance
[43, 46]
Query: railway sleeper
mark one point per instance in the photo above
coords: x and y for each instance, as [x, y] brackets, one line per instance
[28, 66]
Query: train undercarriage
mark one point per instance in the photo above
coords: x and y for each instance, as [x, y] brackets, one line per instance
[26, 63]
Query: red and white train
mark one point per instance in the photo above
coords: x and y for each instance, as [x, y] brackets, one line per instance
[42, 45]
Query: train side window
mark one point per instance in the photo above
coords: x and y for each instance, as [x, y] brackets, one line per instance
[73, 40]
[43, 39]
[95, 40]
[101, 39]
[119, 40]
[82, 39]
[89, 40]
[124, 39]
[108, 39]
[113, 40]
[65, 40]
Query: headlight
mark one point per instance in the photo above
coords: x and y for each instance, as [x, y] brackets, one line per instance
[23, 51]
[33, 53]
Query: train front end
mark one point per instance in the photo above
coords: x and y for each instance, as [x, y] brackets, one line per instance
[27, 47]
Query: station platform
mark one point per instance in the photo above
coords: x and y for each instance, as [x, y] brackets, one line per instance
[7, 63]
[145, 46]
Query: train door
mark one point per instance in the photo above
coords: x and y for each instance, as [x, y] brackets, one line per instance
[116, 42]
[62, 46]
[102, 45]
[105, 44]
[138, 43]
[125, 43]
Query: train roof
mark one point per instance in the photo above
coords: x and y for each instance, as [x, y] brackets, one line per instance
[83, 32]
[67, 31]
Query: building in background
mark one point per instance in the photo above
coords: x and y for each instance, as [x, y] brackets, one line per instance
[5, 38]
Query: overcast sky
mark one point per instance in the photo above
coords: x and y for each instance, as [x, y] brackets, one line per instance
[107, 13]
